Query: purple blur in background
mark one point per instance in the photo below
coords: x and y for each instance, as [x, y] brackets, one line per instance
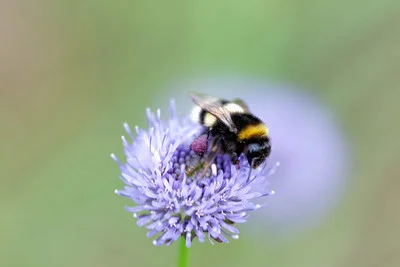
[306, 139]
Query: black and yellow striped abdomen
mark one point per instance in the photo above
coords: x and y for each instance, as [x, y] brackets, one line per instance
[249, 127]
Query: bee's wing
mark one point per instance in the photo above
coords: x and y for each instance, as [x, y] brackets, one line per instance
[242, 104]
[215, 107]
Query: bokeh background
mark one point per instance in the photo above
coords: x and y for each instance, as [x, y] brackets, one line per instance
[72, 71]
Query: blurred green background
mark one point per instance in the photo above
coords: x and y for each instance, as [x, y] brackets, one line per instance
[72, 71]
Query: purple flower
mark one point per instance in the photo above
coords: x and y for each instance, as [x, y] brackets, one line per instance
[162, 175]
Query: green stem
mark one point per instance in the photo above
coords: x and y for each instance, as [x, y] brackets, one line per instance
[183, 253]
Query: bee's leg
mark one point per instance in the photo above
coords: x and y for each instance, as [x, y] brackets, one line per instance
[208, 162]
[240, 148]
[235, 160]
[210, 157]
[208, 132]
[250, 168]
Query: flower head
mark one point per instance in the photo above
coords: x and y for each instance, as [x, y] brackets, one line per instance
[163, 176]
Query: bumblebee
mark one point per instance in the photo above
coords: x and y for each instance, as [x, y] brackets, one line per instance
[231, 129]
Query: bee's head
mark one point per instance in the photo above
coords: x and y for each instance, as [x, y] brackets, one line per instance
[257, 152]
